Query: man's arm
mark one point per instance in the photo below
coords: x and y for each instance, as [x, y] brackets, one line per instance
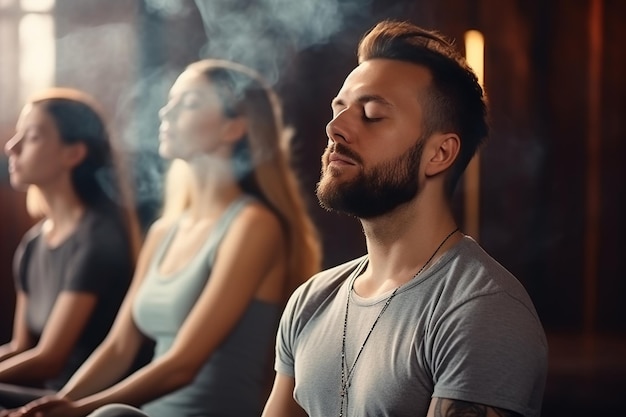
[444, 407]
[281, 402]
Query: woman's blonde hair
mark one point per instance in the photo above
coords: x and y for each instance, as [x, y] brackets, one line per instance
[260, 161]
[99, 176]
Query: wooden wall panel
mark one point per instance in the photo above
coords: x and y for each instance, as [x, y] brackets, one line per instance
[13, 224]
[611, 314]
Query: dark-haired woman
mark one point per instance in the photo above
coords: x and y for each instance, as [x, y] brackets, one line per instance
[73, 268]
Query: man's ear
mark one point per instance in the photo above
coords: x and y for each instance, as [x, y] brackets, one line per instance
[235, 129]
[75, 154]
[444, 149]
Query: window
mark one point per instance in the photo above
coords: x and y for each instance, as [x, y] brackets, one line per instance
[27, 46]
[474, 53]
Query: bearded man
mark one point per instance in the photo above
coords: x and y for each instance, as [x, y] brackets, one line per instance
[427, 323]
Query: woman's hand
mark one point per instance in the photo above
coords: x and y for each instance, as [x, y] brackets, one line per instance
[48, 406]
[7, 413]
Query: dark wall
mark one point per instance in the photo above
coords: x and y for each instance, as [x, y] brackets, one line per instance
[552, 172]
[13, 224]
[538, 169]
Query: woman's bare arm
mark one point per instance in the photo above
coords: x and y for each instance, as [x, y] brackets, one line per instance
[256, 233]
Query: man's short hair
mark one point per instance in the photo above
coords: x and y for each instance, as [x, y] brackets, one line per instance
[455, 103]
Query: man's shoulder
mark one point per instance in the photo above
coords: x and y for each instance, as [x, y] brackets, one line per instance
[481, 272]
[322, 286]
[326, 281]
[333, 276]
[472, 274]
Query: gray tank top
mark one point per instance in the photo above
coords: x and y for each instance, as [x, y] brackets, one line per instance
[232, 382]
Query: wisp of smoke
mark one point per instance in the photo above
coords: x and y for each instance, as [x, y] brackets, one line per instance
[265, 34]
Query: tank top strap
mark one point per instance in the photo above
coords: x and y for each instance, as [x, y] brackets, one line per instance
[165, 244]
[222, 226]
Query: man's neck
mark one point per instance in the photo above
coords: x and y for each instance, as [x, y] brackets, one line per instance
[404, 241]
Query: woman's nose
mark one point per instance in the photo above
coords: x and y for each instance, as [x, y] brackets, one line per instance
[167, 111]
[13, 145]
[163, 112]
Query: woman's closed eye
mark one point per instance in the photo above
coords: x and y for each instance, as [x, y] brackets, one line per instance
[190, 100]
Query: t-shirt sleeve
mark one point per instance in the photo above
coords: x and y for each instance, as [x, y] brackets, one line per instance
[21, 257]
[101, 262]
[491, 350]
[285, 338]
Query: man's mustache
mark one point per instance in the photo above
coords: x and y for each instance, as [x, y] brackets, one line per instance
[343, 150]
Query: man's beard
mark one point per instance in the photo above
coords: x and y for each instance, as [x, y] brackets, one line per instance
[375, 191]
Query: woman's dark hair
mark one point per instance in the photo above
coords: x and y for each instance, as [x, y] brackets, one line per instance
[77, 121]
[96, 179]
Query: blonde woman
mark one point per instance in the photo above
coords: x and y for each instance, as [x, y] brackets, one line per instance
[72, 269]
[233, 242]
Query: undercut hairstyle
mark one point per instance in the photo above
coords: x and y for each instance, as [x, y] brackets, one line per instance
[455, 102]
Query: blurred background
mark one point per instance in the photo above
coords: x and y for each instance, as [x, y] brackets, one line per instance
[545, 196]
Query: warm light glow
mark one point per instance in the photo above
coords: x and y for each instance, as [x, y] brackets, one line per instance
[37, 53]
[37, 5]
[475, 56]
[475, 53]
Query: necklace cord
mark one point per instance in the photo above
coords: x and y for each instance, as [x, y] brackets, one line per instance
[347, 372]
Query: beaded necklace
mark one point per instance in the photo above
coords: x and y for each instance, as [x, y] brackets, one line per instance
[348, 372]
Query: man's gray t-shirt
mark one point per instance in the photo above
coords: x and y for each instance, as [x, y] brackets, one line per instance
[464, 329]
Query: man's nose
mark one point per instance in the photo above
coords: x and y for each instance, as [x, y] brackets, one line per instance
[338, 129]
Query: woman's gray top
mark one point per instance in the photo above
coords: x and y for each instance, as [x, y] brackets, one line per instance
[232, 382]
